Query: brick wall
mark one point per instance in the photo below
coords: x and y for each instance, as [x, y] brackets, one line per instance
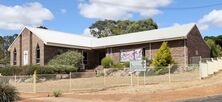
[27, 42]
[176, 47]
[15, 46]
[196, 45]
[37, 42]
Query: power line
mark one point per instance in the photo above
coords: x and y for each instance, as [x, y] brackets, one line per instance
[163, 8]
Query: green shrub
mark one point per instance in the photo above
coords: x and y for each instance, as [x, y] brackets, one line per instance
[10, 70]
[57, 93]
[8, 93]
[148, 61]
[127, 64]
[161, 70]
[46, 70]
[107, 62]
[118, 65]
[162, 58]
[29, 70]
[69, 58]
[56, 69]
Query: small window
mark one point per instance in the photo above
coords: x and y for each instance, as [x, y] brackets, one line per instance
[196, 52]
[14, 57]
[37, 55]
[85, 59]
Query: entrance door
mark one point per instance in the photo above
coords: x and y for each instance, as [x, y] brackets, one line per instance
[102, 54]
[25, 58]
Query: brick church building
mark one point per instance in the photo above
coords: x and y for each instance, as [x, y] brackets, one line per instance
[39, 46]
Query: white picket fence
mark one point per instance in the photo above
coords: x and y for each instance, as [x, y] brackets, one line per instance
[210, 67]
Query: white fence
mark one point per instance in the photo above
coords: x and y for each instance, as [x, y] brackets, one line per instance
[210, 67]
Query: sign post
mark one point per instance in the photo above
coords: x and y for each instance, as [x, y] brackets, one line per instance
[138, 66]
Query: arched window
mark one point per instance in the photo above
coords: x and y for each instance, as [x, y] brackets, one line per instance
[14, 57]
[37, 55]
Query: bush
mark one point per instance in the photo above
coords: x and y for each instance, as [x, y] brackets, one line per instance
[127, 64]
[162, 58]
[161, 70]
[29, 70]
[8, 93]
[56, 69]
[57, 93]
[148, 61]
[118, 65]
[107, 62]
[69, 58]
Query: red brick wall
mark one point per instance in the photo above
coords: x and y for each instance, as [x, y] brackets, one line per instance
[176, 47]
[27, 42]
[36, 41]
[195, 43]
[15, 45]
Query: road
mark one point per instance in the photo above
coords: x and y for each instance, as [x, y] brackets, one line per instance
[216, 98]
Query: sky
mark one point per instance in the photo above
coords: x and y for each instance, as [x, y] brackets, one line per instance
[75, 16]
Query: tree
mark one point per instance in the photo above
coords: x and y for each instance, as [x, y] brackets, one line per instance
[163, 56]
[110, 27]
[5, 42]
[216, 39]
[42, 27]
[215, 49]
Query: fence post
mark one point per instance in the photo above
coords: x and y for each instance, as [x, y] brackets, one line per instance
[169, 73]
[138, 81]
[104, 77]
[200, 70]
[70, 81]
[131, 78]
[34, 82]
[144, 78]
[15, 80]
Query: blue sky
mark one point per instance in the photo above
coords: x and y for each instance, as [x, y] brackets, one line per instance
[75, 16]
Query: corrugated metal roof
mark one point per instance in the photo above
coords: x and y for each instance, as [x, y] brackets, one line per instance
[55, 38]
[164, 34]
[50, 37]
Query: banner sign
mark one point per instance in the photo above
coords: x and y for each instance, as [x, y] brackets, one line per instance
[130, 55]
[138, 66]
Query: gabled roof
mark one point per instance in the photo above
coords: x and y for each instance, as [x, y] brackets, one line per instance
[55, 38]
[163, 34]
[50, 37]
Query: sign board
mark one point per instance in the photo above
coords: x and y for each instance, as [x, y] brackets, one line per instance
[130, 54]
[138, 66]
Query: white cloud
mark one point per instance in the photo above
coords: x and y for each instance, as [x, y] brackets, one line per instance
[31, 14]
[87, 33]
[176, 24]
[121, 9]
[63, 11]
[213, 18]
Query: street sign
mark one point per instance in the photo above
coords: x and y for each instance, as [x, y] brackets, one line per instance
[138, 66]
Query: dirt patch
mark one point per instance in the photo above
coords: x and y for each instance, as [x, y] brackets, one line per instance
[151, 97]
[158, 91]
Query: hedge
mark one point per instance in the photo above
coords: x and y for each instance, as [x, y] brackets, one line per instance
[29, 70]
